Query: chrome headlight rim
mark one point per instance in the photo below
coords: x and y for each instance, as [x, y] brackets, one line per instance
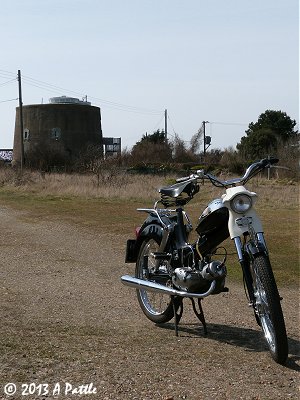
[241, 203]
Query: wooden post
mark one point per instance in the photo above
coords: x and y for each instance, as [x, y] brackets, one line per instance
[21, 122]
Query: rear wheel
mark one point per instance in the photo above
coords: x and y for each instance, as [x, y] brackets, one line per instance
[158, 307]
[268, 309]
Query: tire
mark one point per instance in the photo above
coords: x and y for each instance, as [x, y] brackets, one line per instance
[157, 307]
[268, 309]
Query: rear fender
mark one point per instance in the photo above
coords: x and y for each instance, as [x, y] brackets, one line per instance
[133, 245]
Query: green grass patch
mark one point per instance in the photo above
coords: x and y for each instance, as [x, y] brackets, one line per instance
[113, 215]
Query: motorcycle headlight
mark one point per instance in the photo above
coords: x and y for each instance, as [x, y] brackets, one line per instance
[241, 203]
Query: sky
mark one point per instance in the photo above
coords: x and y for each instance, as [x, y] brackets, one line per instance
[224, 62]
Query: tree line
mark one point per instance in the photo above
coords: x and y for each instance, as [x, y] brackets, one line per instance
[274, 134]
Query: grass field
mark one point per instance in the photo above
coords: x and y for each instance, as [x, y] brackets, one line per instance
[111, 206]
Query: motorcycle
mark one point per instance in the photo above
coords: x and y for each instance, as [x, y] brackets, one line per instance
[169, 268]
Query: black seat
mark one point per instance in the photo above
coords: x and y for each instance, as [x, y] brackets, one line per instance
[174, 190]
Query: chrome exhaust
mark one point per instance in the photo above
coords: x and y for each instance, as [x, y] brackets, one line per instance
[157, 287]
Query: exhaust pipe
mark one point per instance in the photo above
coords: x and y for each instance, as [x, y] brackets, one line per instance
[157, 287]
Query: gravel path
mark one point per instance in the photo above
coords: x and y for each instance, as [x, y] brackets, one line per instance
[67, 319]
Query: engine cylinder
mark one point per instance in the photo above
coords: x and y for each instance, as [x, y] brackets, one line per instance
[189, 280]
[214, 270]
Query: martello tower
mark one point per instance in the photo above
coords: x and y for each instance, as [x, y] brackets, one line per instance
[64, 128]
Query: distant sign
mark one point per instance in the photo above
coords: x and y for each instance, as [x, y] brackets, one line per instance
[6, 154]
[207, 140]
[112, 146]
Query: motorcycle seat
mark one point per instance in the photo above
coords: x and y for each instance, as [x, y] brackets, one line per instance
[178, 194]
[173, 190]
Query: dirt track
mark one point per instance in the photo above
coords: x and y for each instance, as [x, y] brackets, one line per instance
[66, 318]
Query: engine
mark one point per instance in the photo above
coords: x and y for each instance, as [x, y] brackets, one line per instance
[196, 281]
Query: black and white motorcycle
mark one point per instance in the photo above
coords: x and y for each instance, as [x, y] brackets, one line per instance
[169, 268]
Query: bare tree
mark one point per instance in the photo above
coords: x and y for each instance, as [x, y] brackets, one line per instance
[196, 141]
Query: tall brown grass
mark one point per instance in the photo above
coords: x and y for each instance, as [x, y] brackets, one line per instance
[123, 185]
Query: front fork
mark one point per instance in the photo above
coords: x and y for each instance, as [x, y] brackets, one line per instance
[246, 252]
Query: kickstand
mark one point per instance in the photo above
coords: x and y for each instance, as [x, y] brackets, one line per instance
[200, 315]
[177, 316]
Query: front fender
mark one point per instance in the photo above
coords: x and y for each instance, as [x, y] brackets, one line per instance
[256, 249]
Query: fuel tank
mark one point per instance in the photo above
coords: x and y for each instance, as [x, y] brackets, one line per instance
[212, 227]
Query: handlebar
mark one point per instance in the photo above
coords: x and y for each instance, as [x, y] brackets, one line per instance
[250, 172]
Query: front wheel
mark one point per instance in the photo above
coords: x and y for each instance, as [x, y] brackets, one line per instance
[268, 309]
[158, 307]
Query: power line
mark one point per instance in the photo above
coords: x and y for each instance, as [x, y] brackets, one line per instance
[106, 103]
[175, 134]
[7, 74]
[155, 127]
[5, 83]
[228, 123]
[5, 101]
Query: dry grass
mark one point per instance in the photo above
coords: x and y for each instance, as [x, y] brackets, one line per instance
[112, 204]
[121, 185]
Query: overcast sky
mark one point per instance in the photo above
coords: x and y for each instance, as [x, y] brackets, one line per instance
[225, 62]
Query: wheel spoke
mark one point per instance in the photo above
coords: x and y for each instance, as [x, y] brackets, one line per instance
[268, 309]
[154, 303]
[264, 314]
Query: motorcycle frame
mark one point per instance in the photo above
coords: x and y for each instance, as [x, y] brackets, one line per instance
[247, 226]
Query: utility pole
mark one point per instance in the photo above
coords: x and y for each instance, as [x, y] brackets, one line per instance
[21, 122]
[166, 125]
[204, 137]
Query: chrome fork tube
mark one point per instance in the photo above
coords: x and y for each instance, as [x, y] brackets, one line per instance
[245, 267]
[261, 239]
[239, 248]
